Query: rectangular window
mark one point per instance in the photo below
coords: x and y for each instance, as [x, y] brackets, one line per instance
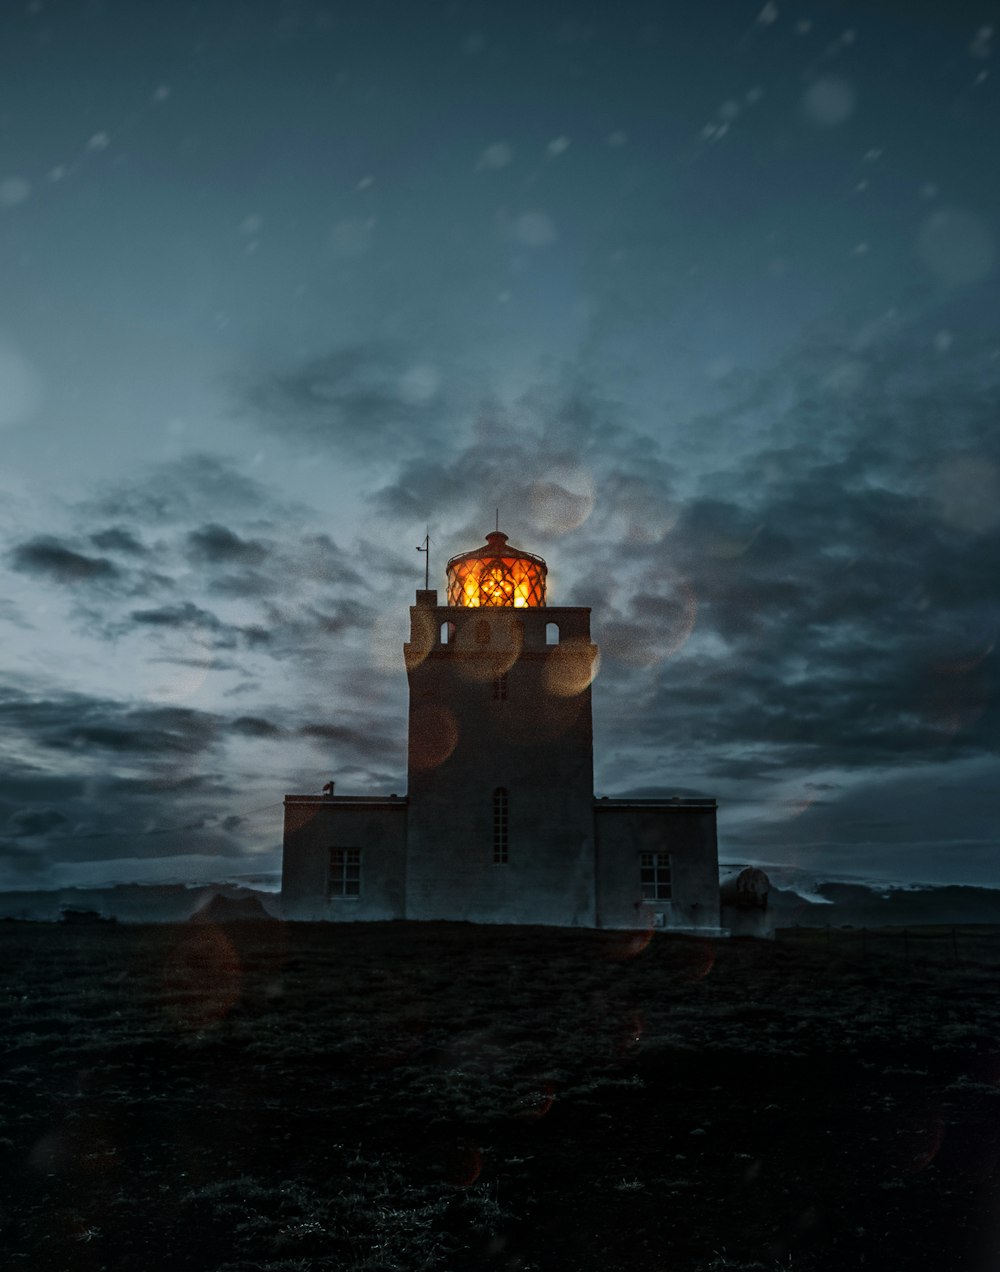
[345, 874]
[500, 687]
[500, 813]
[654, 875]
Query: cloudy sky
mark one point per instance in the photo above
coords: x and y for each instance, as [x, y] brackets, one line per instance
[704, 297]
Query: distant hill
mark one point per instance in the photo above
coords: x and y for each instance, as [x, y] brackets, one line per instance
[861, 905]
[228, 909]
[794, 899]
[136, 902]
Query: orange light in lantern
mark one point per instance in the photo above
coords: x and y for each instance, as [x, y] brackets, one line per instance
[496, 575]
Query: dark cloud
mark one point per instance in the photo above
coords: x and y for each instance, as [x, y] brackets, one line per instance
[118, 539]
[198, 487]
[169, 785]
[27, 822]
[340, 618]
[548, 461]
[27, 783]
[256, 636]
[76, 722]
[318, 558]
[926, 823]
[391, 567]
[307, 634]
[48, 557]
[162, 808]
[23, 864]
[255, 727]
[184, 614]
[369, 396]
[249, 583]
[360, 740]
[843, 608]
[294, 587]
[259, 569]
[206, 627]
[216, 544]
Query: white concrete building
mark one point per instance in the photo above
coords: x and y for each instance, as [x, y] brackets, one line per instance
[500, 823]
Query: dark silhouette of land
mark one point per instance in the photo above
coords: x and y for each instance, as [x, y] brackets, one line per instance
[271, 1096]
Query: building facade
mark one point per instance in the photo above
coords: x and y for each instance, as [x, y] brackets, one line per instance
[499, 823]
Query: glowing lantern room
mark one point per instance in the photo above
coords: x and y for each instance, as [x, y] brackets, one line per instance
[496, 575]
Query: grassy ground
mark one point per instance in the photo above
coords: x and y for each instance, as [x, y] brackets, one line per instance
[401, 1096]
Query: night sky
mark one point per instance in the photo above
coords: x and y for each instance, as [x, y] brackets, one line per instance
[702, 296]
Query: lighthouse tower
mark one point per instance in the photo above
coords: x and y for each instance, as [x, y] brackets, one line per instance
[499, 823]
[501, 755]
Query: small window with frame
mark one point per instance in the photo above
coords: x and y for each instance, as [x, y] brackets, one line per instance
[344, 879]
[501, 818]
[654, 876]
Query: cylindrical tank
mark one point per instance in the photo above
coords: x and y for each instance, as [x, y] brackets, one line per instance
[747, 890]
[496, 574]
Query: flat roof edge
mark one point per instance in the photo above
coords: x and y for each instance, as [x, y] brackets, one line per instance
[604, 801]
[350, 801]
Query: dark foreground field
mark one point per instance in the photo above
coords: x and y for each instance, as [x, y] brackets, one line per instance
[445, 1097]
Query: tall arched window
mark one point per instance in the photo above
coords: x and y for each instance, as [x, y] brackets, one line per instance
[500, 818]
[552, 633]
[447, 633]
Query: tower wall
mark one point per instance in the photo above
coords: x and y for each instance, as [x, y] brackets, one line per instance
[494, 706]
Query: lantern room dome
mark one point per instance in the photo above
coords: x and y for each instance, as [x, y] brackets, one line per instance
[496, 574]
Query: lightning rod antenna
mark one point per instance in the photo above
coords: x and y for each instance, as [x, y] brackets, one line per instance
[425, 547]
